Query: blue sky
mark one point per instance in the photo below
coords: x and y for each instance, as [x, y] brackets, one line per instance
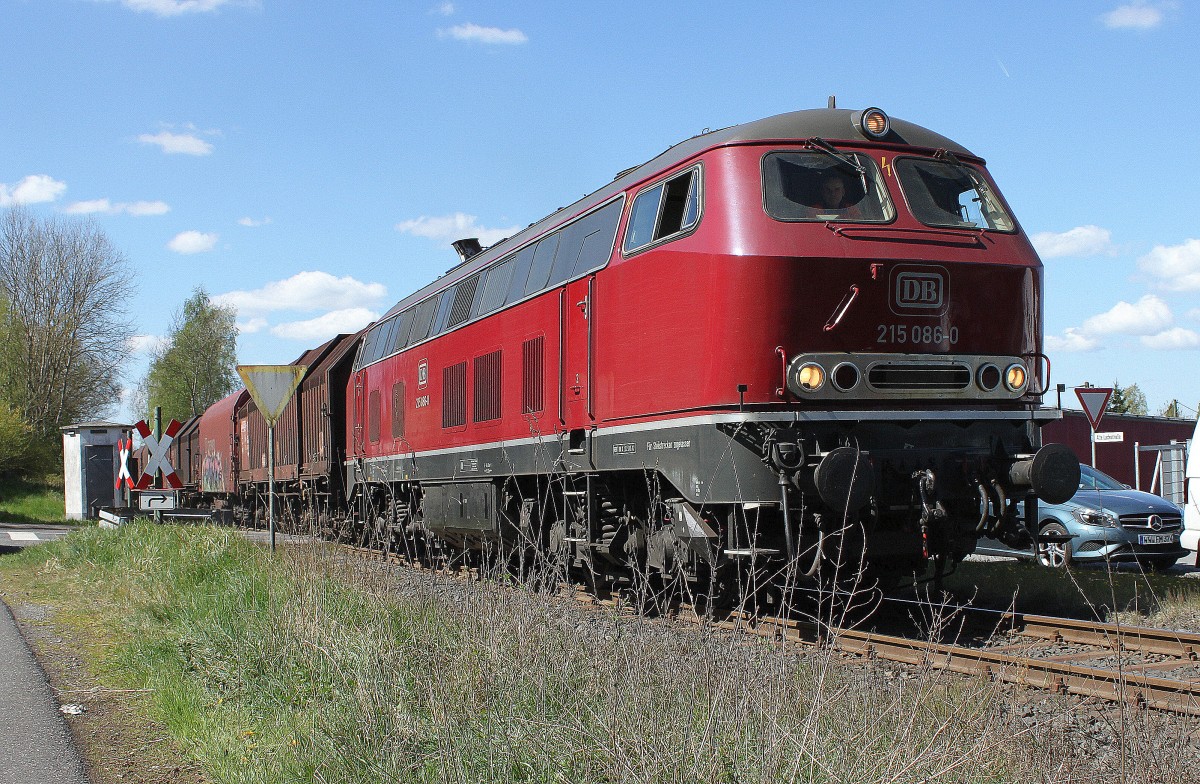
[309, 162]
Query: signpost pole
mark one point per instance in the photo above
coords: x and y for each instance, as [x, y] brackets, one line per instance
[157, 474]
[271, 482]
[1093, 446]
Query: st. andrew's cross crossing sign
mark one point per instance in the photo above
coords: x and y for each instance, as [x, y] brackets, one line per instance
[158, 454]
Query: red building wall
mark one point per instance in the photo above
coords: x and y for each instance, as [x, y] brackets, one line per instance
[1118, 459]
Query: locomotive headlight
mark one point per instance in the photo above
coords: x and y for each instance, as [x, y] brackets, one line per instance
[874, 123]
[988, 377]
[1014, 377]
[810, 377]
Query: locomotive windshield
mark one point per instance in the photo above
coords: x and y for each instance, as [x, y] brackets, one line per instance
[819, 186]
[952, 194]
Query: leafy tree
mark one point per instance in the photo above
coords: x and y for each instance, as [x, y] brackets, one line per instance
[1127, 400]
[16, 437]
[197, 365]
[64, 330]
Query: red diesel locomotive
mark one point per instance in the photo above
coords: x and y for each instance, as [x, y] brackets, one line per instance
[809, 340]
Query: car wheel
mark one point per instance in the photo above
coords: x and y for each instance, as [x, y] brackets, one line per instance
[1056, 555]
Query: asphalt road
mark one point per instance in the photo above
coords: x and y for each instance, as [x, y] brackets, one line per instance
[35, 745]
[14, 536]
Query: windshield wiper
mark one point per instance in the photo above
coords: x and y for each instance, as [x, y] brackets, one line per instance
[846, 160]
[834, 152]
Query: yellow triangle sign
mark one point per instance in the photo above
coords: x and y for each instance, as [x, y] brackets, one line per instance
[271, 386]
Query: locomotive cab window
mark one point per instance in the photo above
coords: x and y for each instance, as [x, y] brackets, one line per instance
[825, 186]
[950, 194]
[664, 211]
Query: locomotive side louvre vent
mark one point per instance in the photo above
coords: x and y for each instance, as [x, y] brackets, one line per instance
[919, 376]
[464, 295]
[373, 416]
[454, 395]
[398, 410]
[487, 387]
[533, 375]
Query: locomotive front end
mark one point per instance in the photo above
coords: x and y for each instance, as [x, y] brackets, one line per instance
[913, 363]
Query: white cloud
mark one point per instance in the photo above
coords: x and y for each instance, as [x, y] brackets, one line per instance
[146, 344]
[448, 228]
[140, 208]
[177, 143]
[104, 206]
[253, 223]
[33, 189]
[1136, 16]
[1072, 340]
[1079, 241]
[305, 291]
[193, 242]
[443, 9]
[1177, 266]
[326, 326]
[251, 326]
[485, 35]
[1177, 338]
[1194, 314]
[1148, 316]
[167, 8]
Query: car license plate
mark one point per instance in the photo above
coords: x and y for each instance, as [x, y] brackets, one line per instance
[1156, 538]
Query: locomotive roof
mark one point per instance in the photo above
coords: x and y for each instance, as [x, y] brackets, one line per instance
[832, 125]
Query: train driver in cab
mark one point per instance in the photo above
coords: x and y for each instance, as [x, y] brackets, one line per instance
[831, 198]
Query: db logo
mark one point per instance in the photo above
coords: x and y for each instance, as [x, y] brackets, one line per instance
[423, 374]
[919, 290]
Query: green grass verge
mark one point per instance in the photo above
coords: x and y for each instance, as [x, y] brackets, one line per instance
[300, 667]
[30, 501]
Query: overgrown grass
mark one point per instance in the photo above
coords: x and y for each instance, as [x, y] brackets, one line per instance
[31, 500]
[305, 668]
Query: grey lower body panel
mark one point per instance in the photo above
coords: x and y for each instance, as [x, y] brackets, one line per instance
[719, 458]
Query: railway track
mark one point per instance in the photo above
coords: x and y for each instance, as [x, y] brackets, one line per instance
[1150, 668]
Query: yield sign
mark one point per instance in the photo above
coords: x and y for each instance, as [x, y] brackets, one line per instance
[271, 386]
[1094, 400]
[158, 454]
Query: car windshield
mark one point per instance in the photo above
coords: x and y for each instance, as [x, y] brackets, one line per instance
[1091, 479]
[951, 194]
[824, 186]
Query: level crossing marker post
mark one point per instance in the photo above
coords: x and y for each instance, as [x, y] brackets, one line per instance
[272, 387]
[158, 477]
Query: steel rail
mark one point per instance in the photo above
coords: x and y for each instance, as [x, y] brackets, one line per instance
[1183, 645]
